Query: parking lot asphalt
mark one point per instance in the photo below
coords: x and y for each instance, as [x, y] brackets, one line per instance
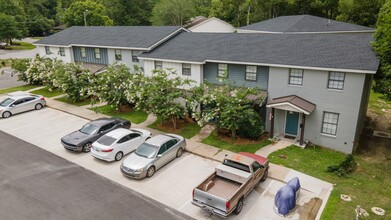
[36, 184]
[172, 185]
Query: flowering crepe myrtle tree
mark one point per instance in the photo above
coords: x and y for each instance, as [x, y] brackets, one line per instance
[227, 104]
[160, 93]
[73, 80]
[39, 71]
[113, 85]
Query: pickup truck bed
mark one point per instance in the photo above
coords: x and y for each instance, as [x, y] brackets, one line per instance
[222, 187]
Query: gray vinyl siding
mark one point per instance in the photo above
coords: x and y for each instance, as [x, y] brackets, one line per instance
[363, 108]
[347, 103]
[90, 55]
[237, 74]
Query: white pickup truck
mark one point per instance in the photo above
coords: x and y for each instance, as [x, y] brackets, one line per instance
[223, 192]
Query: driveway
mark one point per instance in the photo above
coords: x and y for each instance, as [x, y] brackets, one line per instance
[172, 185]
[35, 184]
[8, 80]
[19, 54]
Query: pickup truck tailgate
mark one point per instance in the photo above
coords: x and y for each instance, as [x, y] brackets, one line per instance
[207, 201]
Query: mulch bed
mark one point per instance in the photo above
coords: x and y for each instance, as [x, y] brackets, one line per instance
[241, 140]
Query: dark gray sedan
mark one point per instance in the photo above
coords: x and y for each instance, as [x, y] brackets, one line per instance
[82, 139]
[152, 155]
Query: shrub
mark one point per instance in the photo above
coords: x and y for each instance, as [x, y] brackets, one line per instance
[251, 127]
[20, 66]
[345, 167]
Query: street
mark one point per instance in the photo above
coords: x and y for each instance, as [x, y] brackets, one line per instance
[36, 184]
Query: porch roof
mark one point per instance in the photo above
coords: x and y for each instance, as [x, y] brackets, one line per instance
[292, 103]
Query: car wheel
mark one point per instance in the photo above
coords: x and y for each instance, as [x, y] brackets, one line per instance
[7, 114]
[179, 152]
[239, 207]
[87, 147]
[265, 174]
[150, 171]
[119, 156]
[38, 106]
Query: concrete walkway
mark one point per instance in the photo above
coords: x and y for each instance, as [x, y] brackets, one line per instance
[318, 187]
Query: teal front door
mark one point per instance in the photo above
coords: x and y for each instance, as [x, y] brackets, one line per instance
[292, 120]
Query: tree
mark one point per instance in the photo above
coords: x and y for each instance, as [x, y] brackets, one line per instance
[39, 16]
[113, 85]
[362, 12]
[14, 8]
[160, 95]
[9, 28]
[382, 46]
[226, 104]
[129, 12]
[172, 12]
[95, 14]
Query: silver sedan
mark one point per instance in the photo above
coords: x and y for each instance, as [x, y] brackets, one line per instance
[18, 102]
[152, 155]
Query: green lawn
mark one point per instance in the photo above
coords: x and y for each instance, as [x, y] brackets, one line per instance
[189, 129]
[45, 92]
[5, 62]
[377, 103]
[214, 140]
[67, 100]
[133, 116]
[22, 46]
[18, 88]
[368, 185]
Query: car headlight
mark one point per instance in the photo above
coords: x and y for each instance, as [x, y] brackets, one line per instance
[139, 170]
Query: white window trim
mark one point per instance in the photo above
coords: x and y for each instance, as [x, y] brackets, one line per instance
[302, 77]
[218, 71]
[256, 74]
[186, 68]
[120, 54]
[336, 128]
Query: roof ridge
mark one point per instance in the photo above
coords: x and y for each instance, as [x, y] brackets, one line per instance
[295, 23]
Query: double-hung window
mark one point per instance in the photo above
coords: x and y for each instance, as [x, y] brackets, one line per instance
[158, 65]
[336, 80]
[222, 70]
[118, 54]
[47, 50]
[296, 76]
[251, 73]
[83, 52]
[62, 51]
[330, 123]
[186, 69]
[135, 54]
[97, 53]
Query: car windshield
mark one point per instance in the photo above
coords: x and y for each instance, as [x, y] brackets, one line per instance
[88, 129]
[6, 102]
[106, 140]
[147, 150]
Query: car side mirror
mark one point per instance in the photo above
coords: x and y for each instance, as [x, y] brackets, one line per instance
[13, 105]
[159, 155]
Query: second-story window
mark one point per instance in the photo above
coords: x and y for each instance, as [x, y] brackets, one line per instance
[336, 80]
[135, 54]
[222, 70]
[97, 53]
[158, 65]
[251, 73]
[62, 51]
[47, 50]
[186, 69]
[118, 54]
[83, 52]
[296, 77]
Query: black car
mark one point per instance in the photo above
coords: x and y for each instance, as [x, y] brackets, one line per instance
[82, 139]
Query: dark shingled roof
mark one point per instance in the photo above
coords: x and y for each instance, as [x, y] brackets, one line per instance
[304, 23]
[110, 36]
[336, 51]
[296, 101]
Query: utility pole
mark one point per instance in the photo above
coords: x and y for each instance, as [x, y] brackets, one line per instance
[248, 16]
[85, 17]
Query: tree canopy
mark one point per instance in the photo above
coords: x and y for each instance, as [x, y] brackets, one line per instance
[95, 14]
[382, 46]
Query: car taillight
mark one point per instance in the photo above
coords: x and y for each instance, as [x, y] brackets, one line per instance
[108, 150]
[42, 98]
[193, 193]
[227, 205]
